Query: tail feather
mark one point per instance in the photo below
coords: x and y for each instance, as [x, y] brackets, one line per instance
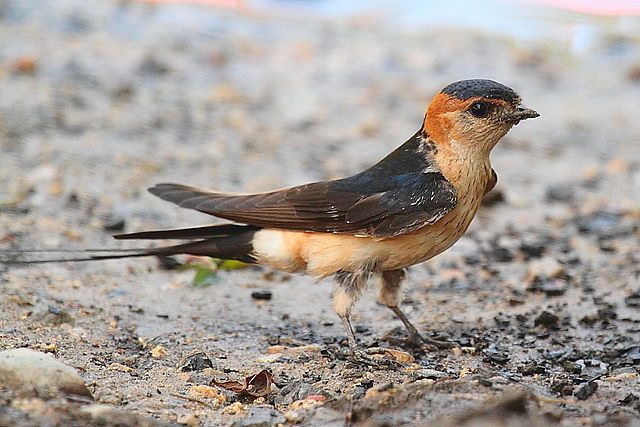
[189, 233]
[228, 242]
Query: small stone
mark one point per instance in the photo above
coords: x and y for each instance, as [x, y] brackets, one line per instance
[600, 222]
[382, 392]
[397, 355]
[547, 319]
[306, 404]
[586, 390]
[188, 420]
[196, 361]
[260, 416]
[572, 367]
[293, 417]
[261, 295]
[502, 254]
[549, 287]
[120, 368]
[30, 372]
[168, 263]
[234, 409]
[159, 352]
[53, 315]
[25, 65]
[270, 358]
[207, 392]
[545, 267]
[559, 193]
[280, 349]
[113, 223]
[430, 374]
[532, 246]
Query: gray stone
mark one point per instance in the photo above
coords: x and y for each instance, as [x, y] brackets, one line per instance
[261, 416]
[30, 373]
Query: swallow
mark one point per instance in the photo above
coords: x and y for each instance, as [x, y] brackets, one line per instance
[409, 207]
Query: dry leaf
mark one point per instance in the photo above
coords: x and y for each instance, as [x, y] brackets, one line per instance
[256, 385]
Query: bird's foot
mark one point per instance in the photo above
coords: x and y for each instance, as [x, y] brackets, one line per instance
[427, 344]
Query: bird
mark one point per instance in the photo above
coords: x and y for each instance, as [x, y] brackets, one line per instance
[412, 205]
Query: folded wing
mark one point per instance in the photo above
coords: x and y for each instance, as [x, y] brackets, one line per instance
[361, 205]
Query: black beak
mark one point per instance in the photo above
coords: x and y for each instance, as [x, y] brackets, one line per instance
[523, 113]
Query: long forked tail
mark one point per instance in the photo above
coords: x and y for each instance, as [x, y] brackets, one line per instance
[227, 241]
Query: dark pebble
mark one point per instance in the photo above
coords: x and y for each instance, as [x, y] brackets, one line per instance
[113, 223]
[152, 66]
[73, 200]
[547, 319]
[572, 367]
[532, 368]
[194, 362]
[168, 263]
[495, 355]
[633, 300]
[260, 416]
[633, 354]
[586, 390]
[549, 287]
[261, 295]
[501, 254]
[532, 248]
[559, 193]
[600, 222]
[361, 328]
[562, 387]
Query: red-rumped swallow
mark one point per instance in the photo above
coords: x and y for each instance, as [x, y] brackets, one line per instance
[407, 208]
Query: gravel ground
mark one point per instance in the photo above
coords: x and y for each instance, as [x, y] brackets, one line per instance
[542, 295]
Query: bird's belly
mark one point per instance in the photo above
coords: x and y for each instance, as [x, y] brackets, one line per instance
[323, 254]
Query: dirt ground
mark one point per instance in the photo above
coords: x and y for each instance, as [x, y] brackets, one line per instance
[542, 295]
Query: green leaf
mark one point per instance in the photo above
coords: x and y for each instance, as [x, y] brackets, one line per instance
[204, 277]
[230, 264]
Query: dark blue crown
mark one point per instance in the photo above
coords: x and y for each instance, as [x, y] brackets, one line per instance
[465, 89]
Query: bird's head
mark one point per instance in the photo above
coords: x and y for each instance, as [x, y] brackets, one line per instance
[473, 115]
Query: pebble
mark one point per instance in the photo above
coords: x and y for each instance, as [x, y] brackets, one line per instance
[260, 416]
[585, 390]
[188, 420]
[113, 223]
[279, 349]
[547, 319]
[261, 295]
[120, 367]
[270, 358]
[30, 372]
[545, 267]
[559, 193]
[159, 352]
[207, 392]
[196, 361]
[397, 355]
[234, 409]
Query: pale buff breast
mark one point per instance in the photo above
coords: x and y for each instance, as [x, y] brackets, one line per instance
[323, 254]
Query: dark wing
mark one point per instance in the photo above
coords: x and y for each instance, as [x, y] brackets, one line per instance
[402, 193]
[410, 202]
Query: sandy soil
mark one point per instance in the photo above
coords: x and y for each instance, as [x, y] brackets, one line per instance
[97, 103]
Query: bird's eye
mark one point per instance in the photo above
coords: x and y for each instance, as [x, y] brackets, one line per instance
[479, 109]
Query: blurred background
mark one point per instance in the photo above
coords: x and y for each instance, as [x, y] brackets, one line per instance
[105, 98]
[101, 99]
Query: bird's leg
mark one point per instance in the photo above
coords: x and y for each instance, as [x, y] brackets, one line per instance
[350, 286]
[390, 295]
